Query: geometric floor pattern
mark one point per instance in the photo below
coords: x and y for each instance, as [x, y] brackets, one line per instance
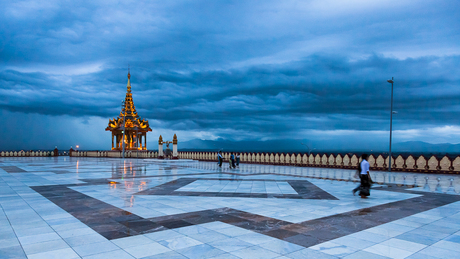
[109, 208]
[239, 186]
[290, 189]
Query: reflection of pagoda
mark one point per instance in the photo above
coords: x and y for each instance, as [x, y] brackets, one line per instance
[136, 128]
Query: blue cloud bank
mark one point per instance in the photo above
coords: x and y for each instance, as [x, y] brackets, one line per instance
[238, 70]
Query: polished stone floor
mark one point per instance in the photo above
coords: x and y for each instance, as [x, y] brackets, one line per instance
[109, 208]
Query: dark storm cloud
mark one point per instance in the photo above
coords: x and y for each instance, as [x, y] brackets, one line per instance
[351, 92]
[263, 69]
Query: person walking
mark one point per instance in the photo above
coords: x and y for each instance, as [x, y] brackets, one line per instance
[232, 160]
[219, 158]
[365, 186]
[238, 160]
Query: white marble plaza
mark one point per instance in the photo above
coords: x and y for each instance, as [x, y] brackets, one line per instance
[109, 208]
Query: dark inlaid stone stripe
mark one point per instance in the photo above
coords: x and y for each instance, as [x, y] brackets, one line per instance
[313, 232]
[107, 220]
[167, 188]
[307, 190]
[112, 222]
[51, 171]
[304, 188]
[13, 169]
[159, 176]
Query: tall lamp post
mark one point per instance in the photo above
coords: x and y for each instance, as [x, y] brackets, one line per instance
[391, 122]
[124, 116]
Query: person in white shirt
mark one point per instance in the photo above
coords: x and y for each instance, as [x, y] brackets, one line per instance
[365, 186]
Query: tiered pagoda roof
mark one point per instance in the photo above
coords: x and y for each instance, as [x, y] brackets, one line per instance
[133, 122]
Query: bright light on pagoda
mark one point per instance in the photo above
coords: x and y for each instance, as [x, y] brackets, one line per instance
[129, 130]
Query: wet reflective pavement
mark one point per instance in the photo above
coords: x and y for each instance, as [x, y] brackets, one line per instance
[145, 208]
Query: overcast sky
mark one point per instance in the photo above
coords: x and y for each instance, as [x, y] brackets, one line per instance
[238, 70]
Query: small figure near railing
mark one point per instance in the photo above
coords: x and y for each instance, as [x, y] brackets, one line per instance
[173, 154]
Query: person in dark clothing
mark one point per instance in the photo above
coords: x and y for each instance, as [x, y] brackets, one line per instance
[219, 158]
[238, 160]
[365, 186]
[232, 161]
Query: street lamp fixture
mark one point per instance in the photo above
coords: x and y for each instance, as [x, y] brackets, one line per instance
[391, 121]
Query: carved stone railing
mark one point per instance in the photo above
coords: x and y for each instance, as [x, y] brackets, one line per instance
[25, 153]
[128, 154]
[422, 164]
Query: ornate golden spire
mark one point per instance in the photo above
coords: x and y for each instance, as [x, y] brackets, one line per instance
[133, 124]
[129, 83]
[129, 112]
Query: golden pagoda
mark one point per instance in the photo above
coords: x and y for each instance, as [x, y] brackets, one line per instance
[135, 127]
